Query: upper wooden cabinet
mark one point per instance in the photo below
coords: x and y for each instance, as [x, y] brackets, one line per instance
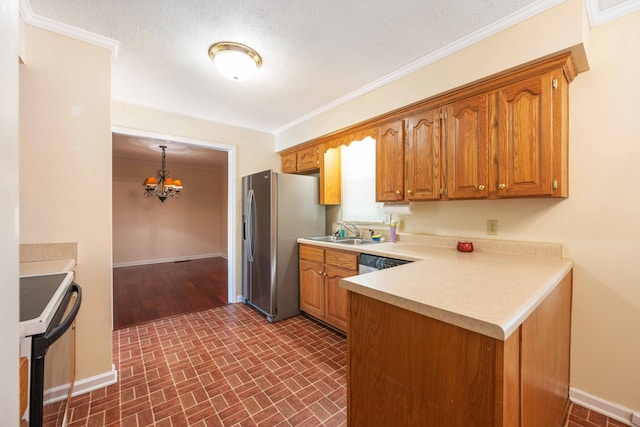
[302, 160]
[330, 177]
[504, 136]
[532, 137]
[509, 141]
[422, 156]
[390, 162]
[460, 129]
[467, 148]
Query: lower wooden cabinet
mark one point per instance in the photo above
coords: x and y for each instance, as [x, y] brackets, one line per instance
[406, 369]
[320, 273]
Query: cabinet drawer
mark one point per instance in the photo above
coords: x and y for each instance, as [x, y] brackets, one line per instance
[311, 253]
[348, 260]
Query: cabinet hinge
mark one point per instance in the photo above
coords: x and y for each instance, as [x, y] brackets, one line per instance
[554, 184]
[554, 83]
[441, 115]
[441, 191]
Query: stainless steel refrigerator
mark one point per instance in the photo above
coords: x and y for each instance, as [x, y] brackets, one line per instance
[277, 210]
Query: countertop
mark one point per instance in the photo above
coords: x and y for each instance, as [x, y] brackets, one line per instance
[485, 291]
[38, 268]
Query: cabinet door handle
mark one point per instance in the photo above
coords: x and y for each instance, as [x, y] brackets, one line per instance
[502, 186]
[398, 192]
[480, 187]
[409, 191]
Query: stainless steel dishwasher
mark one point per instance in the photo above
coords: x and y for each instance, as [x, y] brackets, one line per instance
[369, 263]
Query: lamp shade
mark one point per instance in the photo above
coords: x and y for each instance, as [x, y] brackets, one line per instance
[235, 65]
[150, 181]
[235, 61]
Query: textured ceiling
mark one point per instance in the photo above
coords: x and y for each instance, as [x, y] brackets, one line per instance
[126, 147]
[314, 52]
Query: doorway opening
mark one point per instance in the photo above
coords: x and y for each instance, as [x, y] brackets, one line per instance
[167, 248]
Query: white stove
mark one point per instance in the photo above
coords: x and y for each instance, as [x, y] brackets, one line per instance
[49, 304]
[40, 297]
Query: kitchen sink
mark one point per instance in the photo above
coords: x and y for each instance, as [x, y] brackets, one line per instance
[353, 241]
[342, 240]
[329, 238]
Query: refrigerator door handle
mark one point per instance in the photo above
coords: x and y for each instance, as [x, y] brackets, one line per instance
[250, 224]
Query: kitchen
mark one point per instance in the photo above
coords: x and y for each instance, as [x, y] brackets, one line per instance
[596, 224]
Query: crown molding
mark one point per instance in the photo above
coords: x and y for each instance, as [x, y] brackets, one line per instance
[30, 18]
[598, 16]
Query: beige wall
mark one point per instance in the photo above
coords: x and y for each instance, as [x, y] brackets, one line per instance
[146, 229]
[599, 223]
[9, 207]
[65, 172]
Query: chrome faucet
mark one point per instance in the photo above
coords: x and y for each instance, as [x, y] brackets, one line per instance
[355, 230]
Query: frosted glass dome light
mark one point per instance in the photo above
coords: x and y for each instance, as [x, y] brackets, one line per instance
[235, 61]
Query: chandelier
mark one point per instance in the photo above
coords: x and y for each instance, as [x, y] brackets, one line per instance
[161, 185]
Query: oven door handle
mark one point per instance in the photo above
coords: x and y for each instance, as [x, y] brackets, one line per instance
[52, 335]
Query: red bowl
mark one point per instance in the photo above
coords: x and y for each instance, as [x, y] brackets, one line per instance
[465, 246]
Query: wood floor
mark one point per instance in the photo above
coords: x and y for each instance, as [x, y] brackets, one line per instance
[149, 292]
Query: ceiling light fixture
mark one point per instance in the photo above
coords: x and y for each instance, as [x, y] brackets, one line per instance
[162, 186]
[235, 61]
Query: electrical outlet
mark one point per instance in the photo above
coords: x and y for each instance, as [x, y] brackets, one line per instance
[492, 226]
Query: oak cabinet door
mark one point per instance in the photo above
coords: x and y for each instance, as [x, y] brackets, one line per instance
[308, 159]
[289, 162]
[525, 142]
[389, 162]
[312, 288]
[336, 297]
[302, 160]
[422, 156]
[467, 145]
[330, 177]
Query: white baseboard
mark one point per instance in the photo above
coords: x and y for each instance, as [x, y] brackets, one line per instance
[83, 386]
[98, 381]
[163, 260]
[611, 410]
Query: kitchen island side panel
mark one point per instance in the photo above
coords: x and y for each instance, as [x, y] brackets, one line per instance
[545, 359]
[411, 370]
[404, 368]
